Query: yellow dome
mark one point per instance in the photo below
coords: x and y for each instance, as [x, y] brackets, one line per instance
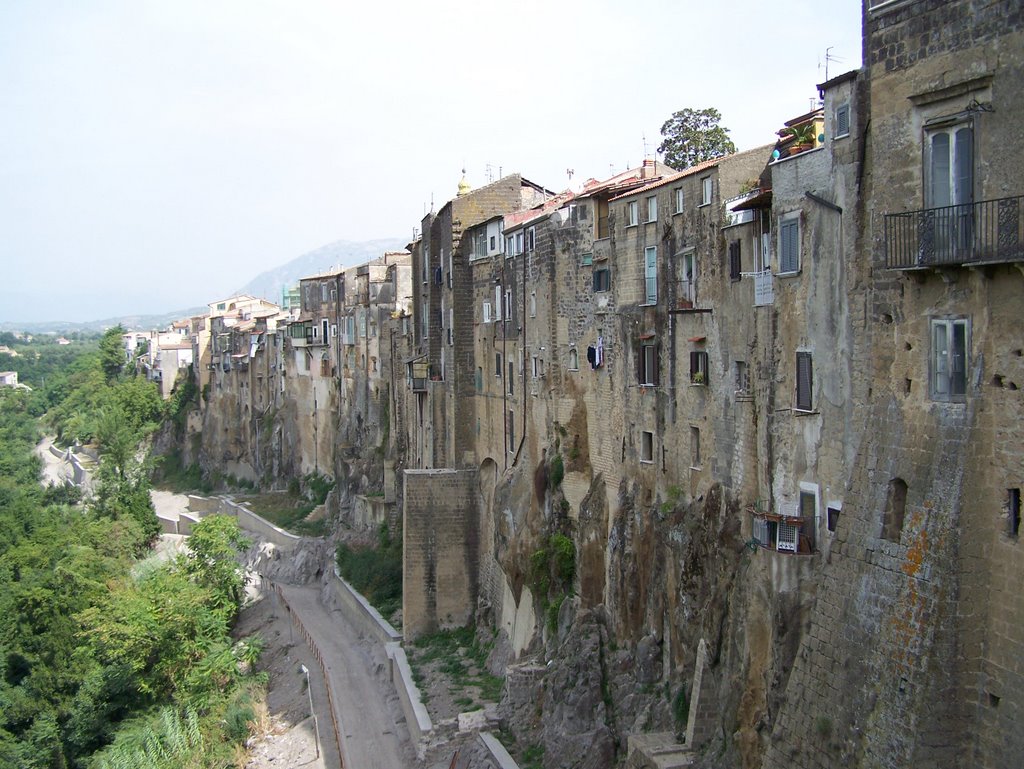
[464, 186]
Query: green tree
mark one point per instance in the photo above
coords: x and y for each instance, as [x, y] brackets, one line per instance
[211, 558]
[692, 136]
[112, 352]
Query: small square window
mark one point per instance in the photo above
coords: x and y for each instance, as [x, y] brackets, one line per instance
[586, 260]
[832, 518]
[647, 446]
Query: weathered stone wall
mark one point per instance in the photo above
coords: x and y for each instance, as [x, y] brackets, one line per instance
[440, 550]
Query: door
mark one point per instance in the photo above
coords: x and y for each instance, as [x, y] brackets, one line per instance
[949, 192]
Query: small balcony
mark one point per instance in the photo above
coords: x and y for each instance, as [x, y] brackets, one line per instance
[987, 232]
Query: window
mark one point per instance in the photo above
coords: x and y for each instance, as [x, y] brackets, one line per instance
[602, 279]
[647, 447]
[832, 516]
[647, 363]
[949, 181]
[680, 199]
[334, 330]
[789, 244]
[742, 378]
[804, 381]
[519, 242]
[706, 188]
[809, 515]
[632, 213]
[508, 304]
[651, 275]
[574, 359]
[487, 312]
[531, 239]
[895, 510]
[652, 209]
[533, 304]
[842, 121]
[1013, 512]
[511, 378]
[479, 379]
[497, 364]
[451, 326]
[323, 293]
[695, 448]
[698, 367]
[735, 262]
[325, 329]
[949, 358]
[511, 430]
[497, 303]
[586, 260]
[688, 278]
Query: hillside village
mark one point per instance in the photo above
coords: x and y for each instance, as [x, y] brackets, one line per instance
[773, 400]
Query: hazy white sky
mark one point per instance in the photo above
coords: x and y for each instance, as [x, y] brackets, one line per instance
[156, 155]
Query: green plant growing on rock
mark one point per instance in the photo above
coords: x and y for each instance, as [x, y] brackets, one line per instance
[556, 472]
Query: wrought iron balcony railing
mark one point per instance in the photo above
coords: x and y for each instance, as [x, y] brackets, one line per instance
[975, 233]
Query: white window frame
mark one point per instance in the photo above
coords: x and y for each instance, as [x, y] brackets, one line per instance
[632, 213]
[688, 275]
[707, 191]
[651, 275]
[533, 304]
[652, 208]
[574, 359]
[508, 304]
[646, 447]
[531, 238]
[487, 312]
[680, 200]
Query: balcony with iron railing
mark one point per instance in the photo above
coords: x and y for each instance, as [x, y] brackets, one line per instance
[987, 232]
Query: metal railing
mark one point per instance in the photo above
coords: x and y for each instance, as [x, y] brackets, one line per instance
[983, 232]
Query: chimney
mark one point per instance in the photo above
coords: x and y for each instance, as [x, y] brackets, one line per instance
[649, 169]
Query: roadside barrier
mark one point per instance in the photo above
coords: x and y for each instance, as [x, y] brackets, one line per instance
[319, 657]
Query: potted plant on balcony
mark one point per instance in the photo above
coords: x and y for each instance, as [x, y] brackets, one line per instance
[801, 136]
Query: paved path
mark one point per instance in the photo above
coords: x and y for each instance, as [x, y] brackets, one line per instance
[370, 737]
[53, 467]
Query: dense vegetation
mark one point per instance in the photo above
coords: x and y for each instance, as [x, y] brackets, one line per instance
[105, 660]
[376, 572]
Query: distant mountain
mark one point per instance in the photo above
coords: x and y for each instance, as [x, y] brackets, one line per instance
[341, 253]
[130, 323]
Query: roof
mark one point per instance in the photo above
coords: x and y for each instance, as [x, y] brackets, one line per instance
[692, 170]
[517, 219]
[851, 75]
[331, 272]
[179, 346]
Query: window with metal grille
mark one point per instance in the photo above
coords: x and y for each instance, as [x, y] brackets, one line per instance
[787, 537]
[735, 265]
[789, 245]
[804, 381]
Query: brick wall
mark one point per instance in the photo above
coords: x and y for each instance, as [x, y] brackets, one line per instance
[441, 555]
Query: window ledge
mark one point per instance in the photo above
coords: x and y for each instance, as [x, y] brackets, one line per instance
[841, 136]
[630, 226]
[651, 221]
[805, 413]
[695, 468]
[703, 205]
[647, 461]
[791, 274]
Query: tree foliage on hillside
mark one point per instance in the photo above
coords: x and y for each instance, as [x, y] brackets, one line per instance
[92, 643]
[692, 136]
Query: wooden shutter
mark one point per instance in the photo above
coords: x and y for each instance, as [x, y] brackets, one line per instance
[804, 381]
